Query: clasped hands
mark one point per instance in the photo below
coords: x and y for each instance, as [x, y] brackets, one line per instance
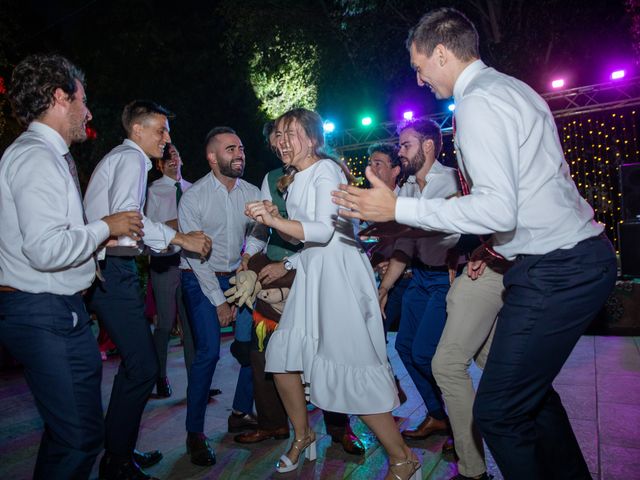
[264, 212]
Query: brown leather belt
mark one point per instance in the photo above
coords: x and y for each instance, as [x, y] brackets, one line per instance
[4, 288]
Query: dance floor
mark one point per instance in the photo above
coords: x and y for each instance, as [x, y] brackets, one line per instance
[600, 387]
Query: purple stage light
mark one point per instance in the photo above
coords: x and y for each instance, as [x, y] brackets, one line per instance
[558, 83]
[408, 115]
[617, 75]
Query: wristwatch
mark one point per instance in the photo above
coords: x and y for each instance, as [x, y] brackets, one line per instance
[288, 266]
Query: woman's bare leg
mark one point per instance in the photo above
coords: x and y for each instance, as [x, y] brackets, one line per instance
[291, 392]
[384, 427]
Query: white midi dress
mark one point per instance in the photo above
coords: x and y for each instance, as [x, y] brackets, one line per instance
[331, 327]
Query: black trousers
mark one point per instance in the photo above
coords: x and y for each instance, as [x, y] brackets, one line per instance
[119, 304]
[550, 300]
[51, 336]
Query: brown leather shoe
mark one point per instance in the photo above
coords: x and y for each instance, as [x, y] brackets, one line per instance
[349, 441]
[239, 422]
[261, 435]
[429, 426]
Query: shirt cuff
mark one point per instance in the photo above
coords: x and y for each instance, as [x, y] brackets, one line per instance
[407, 211]
[99, 230]
[254, 247]
[218, 298]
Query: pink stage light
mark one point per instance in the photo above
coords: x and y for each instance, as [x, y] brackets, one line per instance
[408, 115]
[617, 75]
[559, 83]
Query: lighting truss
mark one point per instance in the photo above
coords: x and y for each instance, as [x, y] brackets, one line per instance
[611, 95]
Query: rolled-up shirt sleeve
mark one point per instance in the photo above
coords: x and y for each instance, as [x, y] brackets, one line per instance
[127, 192]
[189, 220]
[489, 150]
[51, 240]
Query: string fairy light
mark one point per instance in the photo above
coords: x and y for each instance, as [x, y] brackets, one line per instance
[594, 144]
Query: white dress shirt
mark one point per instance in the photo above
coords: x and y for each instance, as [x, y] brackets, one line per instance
[441, 182]
[119, 184]
[510, 153]
[45, 245]
[161, 199]
[210, 207]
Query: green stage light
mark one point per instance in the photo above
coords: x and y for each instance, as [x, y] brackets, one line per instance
[366, 121]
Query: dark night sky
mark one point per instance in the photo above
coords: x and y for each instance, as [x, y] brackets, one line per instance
[178, 54]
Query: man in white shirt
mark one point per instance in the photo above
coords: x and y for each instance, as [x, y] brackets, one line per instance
[47, 263]
[119, 183]
[521, 191]
[423, 312]
[162, 206]
[215, 204]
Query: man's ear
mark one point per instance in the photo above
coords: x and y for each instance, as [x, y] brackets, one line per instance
[60, 98]
[441, 53]
[427, 147]
[136, 130]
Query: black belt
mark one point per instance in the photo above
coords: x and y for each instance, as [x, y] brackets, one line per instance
[423, 266]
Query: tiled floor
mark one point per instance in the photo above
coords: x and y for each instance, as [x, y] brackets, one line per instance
[600, 387]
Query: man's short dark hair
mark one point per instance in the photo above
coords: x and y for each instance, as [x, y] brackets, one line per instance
[449, 27]
[388, 149]
[34, 82]
[139, 110]
[215, 131]
[428, 130]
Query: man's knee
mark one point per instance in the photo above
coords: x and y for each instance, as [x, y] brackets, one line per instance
[404, 352]
[422, 358]
[143, 368]
[439, 365]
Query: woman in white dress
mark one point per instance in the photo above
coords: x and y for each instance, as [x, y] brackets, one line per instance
[331, 330]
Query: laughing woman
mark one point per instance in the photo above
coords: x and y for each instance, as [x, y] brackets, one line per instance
[331, 330]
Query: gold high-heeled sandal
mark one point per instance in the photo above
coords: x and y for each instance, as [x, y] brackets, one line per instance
[414, 474]
[306, 445]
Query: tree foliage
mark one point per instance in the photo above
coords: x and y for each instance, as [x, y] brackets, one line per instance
[240, 63]
[284, 75]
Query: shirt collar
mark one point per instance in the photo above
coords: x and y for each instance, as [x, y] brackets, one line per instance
[52, 136]
[218, 184]
[435, 169]
[169, 181]
[465, 77]
[147, 160]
